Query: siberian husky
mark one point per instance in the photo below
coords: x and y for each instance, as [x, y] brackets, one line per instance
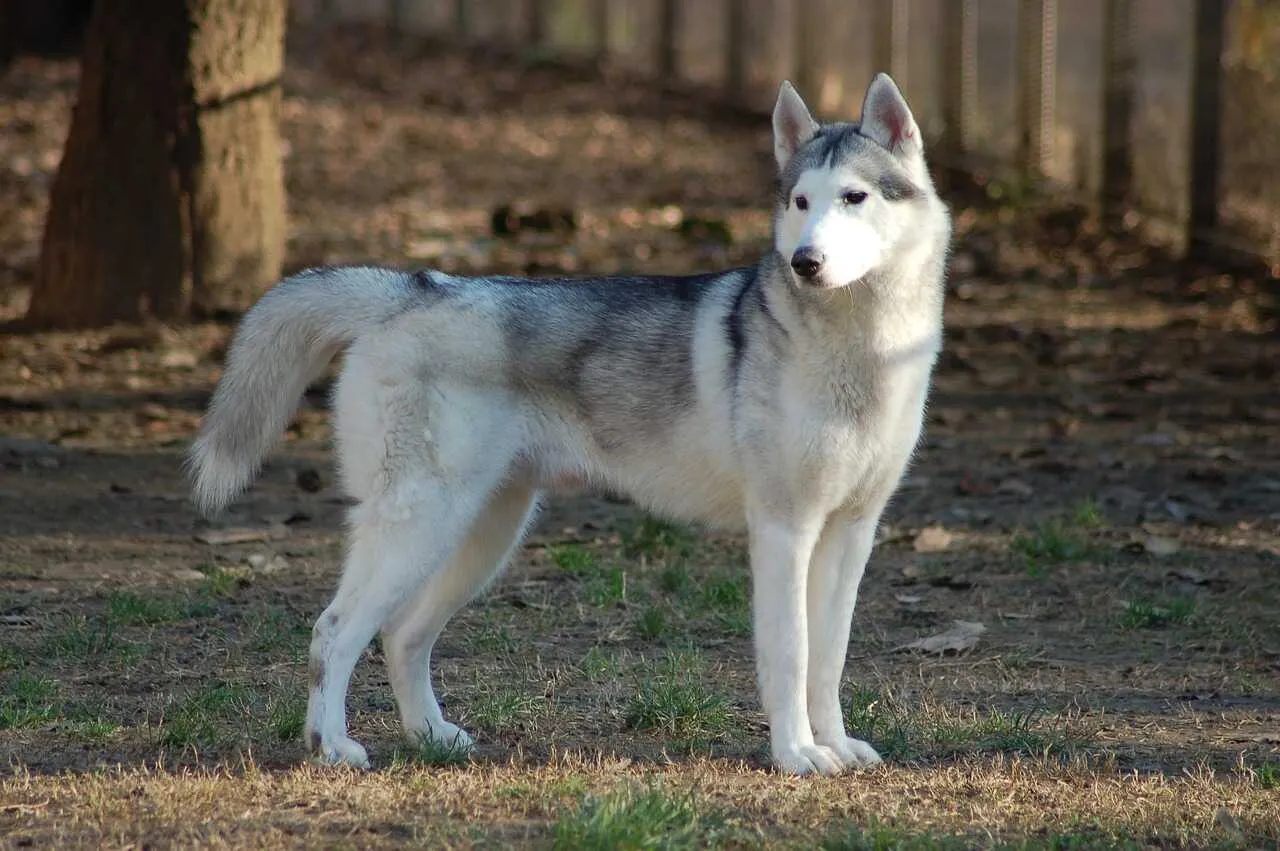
[784, 399]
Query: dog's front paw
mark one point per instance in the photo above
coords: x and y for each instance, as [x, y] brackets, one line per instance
[852, 753]
[806, 759]
[342, 751]
[444, 735]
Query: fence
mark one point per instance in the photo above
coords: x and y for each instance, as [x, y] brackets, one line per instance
[1165, 108]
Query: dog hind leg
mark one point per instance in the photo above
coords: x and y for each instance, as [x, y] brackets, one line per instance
[409, 637]
[399, 538]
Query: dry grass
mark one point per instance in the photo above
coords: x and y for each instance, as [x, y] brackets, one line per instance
[985, 802]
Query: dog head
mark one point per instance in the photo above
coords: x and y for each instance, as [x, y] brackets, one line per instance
[846, 191]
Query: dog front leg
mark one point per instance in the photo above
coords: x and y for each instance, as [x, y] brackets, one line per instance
[780, 553]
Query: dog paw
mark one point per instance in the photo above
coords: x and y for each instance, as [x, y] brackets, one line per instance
[852, 753]
[807, 759]
[446, 735]
[343, 751]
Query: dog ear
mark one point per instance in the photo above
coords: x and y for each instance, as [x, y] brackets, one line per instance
[792, 124]
[887, 120]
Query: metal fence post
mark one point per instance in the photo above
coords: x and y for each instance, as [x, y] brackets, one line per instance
[1209, 36]
[1118, 69]
[959, 76]
[1037, 49]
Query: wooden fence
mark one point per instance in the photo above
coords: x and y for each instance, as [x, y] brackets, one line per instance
[1164, 109]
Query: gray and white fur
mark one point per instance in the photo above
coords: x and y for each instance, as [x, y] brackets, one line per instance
[783, 399]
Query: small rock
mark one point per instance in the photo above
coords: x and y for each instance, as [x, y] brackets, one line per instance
[266, 563]
[187, 574]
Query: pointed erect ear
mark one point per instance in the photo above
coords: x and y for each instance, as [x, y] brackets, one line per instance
[792, 125]
[887, 119]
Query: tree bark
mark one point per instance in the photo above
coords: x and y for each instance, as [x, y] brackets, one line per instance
[169, 201]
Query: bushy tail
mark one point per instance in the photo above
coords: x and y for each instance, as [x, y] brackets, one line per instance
[283, 343]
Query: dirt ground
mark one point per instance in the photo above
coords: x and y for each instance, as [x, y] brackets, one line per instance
[1099, 487]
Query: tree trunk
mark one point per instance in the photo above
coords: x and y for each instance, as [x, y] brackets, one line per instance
[169, 201]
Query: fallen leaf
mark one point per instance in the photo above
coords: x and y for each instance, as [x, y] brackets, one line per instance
[1160, 546]
[959, 639]
[1015, 487]
[242, 535]
[932, 539]
[1189, 574]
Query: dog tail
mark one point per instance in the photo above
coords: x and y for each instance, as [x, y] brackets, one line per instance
[283, 344]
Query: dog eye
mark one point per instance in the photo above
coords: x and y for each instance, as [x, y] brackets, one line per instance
[802, 203]
[853, 198]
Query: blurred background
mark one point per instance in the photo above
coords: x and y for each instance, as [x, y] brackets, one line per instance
[1179, 100]
[1099, 481]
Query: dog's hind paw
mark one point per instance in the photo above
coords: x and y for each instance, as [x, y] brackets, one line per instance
[853, 753]
[343, 751]
[807, 759]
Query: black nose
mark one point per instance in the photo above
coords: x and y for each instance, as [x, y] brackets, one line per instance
[806, 262]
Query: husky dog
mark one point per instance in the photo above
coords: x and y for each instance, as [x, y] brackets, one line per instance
[783, 399]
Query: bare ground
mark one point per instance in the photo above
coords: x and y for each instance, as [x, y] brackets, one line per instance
[1099, 487]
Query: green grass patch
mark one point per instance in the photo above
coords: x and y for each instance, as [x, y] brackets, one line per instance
[499, 708]
[651, 625]
[631, 817]
[1267, 775]
[599, 663]
[430, 752]
[609, 588]
[656, 540]
[222, 581]
[128, 609]
[673, 697]
[1144, 614]
[27, 701]
[286, 716]
[1088, 515]
[573, 558]
[727, 601]
[929, 734]
[91, 731]
[81, 639]
[1052, 543]
[199, 720]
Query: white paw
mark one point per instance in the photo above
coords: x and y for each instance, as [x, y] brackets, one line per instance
[806, 759]
[852, 753]
[341, 751]
[449, 735]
